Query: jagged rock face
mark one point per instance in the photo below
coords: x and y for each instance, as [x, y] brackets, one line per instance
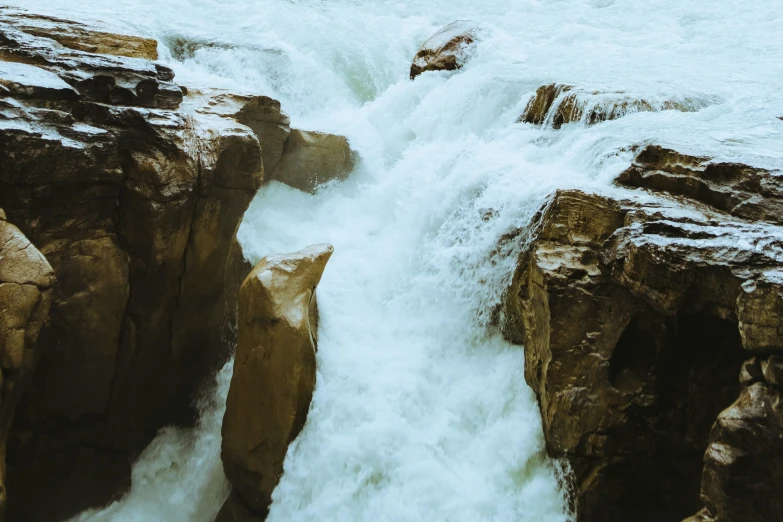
[310, 159]
[445, 50]
[637, 312]
[25, 296]
[116, 80]
[558, 104]
[742, 474]
[135, 204]
[274, 376]
[737, 189]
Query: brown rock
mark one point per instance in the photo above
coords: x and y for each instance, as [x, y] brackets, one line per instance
[79, 36]
[737, 189]
[446, 49]
[25, 296]
[541, 103]
[311, 159]
[235, 510]
[260, 113]
[103, 78]
[558, 104]
[760, 308]
[274, 372]
[136, 209]
[743, 477]
[637, 312]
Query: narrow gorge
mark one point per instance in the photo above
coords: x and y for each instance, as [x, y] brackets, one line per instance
[299, 260]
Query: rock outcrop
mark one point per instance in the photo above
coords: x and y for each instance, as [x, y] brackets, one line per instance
[557, 104]
[301, 159]
[79, 36]
[446, 50]
[260, 113]
[274, 376]
[134, 198]
[311, 159]
[652, 333]
[25, 296]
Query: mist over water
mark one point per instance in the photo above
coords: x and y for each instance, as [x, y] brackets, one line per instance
[421, 411]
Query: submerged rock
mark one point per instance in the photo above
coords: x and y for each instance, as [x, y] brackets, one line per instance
[446, 49]
[135, 201]
[274, 375]
[558, 104]
[25, 296]
[637, 312]
[310, 159]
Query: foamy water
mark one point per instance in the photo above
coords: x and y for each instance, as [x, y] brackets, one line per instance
[421, 411]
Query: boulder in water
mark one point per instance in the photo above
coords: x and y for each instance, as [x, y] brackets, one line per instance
[274, 374]
[559, 104]
[311, 159]
[446, 49]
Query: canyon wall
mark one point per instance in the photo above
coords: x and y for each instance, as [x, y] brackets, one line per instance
[134, 197]
[651, 317]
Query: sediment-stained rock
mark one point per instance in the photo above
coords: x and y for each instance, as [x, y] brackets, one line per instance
[25, 296]
[135, 201]
[637, 311]
[274, 375]
[310, 159]
[446, 49]
[557, 104]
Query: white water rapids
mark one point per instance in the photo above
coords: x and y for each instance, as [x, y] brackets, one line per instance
[421, 412]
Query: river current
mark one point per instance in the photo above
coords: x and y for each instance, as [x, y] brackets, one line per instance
[421, 411]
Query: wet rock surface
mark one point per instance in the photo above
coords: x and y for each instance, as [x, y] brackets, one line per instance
[445, 50]
[81, 37]
[558, 104]
[648, 318]
[311, 159]
[134, 199]
[274, 376]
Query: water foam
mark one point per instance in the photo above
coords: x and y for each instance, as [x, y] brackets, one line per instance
[421, 411]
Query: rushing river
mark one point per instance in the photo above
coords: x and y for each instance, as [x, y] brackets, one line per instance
[421, 412]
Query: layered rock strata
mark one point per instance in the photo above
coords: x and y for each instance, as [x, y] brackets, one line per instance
[26, 281]
[274, 376]
[652, 333]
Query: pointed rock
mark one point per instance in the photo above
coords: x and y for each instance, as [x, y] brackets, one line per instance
[274, 373]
